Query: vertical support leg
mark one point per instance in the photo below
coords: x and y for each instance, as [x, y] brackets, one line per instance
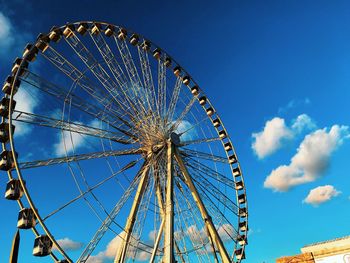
[206, 217]
[120, 257]
[169, 208]
[15, 248]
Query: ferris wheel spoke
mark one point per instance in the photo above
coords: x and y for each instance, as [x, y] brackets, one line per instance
[96, 68]
[112, 215]
[191, 229]
[195, 228]
[114, 67]
[184, 113]
[132, 71]
[90, 189]
[206, 156]
[207, 171]
[161, 88]
[173, 100]
[206, 217]
[45, 121]
[215, 210]
[110, 117]
[101, 96]
[78, 157]
[205, 140]
[216, 194]
[147, 78]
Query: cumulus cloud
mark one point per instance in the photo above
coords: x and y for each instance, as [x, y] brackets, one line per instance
[270, 139]
[293, 104]
[276, 132]
[321, 195]
[68, 142]
[27, 100]
[311, 160]
[137, 251]
[303, 122]
[68, 244]
[11, 43]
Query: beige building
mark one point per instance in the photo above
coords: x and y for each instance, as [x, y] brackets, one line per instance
[332, 251]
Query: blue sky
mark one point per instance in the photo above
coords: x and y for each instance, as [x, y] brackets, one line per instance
[278, 73]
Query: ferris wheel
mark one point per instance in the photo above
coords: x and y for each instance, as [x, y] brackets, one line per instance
[107, 138]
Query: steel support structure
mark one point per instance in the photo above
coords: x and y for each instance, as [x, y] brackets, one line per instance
[121, 254]
[169, 207]
[213, 234]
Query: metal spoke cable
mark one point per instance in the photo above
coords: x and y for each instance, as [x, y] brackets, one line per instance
[78, 157]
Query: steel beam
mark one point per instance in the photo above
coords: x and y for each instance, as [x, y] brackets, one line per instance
[169, 208]
[121, 254]
[206, 217]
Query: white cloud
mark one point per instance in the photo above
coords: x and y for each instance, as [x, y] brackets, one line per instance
[27, 100]
[189, 133]
[321, 195]
[311, 160]
[11, 42]
[139, 251]
[68, 142]
[270, 139]
[303, 122]
[68, 244]
[6, 34]
[293, 104]
[276, 132]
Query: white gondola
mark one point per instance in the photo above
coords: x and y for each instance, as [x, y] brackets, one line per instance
[55, 34]
[42, 246]
[239, 185]
[186, 80]
[109, 31]
[240, 254]
[202, 100]
[242, 240]
[42, 42]
[122, 34]
[195, 90]
[210, 111]
[146, 45]
[96, 29]
[167, 62]
[6, 161]
[222, 134]
[8, 85]
[82, 28]
[177, 71]
[236, 172]
[16, 66]
[243, 212]
[157, 53]
[4, 106]
[228, 146]
[5, 132]
[14, 190]
[241, 199]
[216, 123]
[26, 218]
[232, 159]
[30, 52]
[243, 226]
[68, 31]
[134, 39]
